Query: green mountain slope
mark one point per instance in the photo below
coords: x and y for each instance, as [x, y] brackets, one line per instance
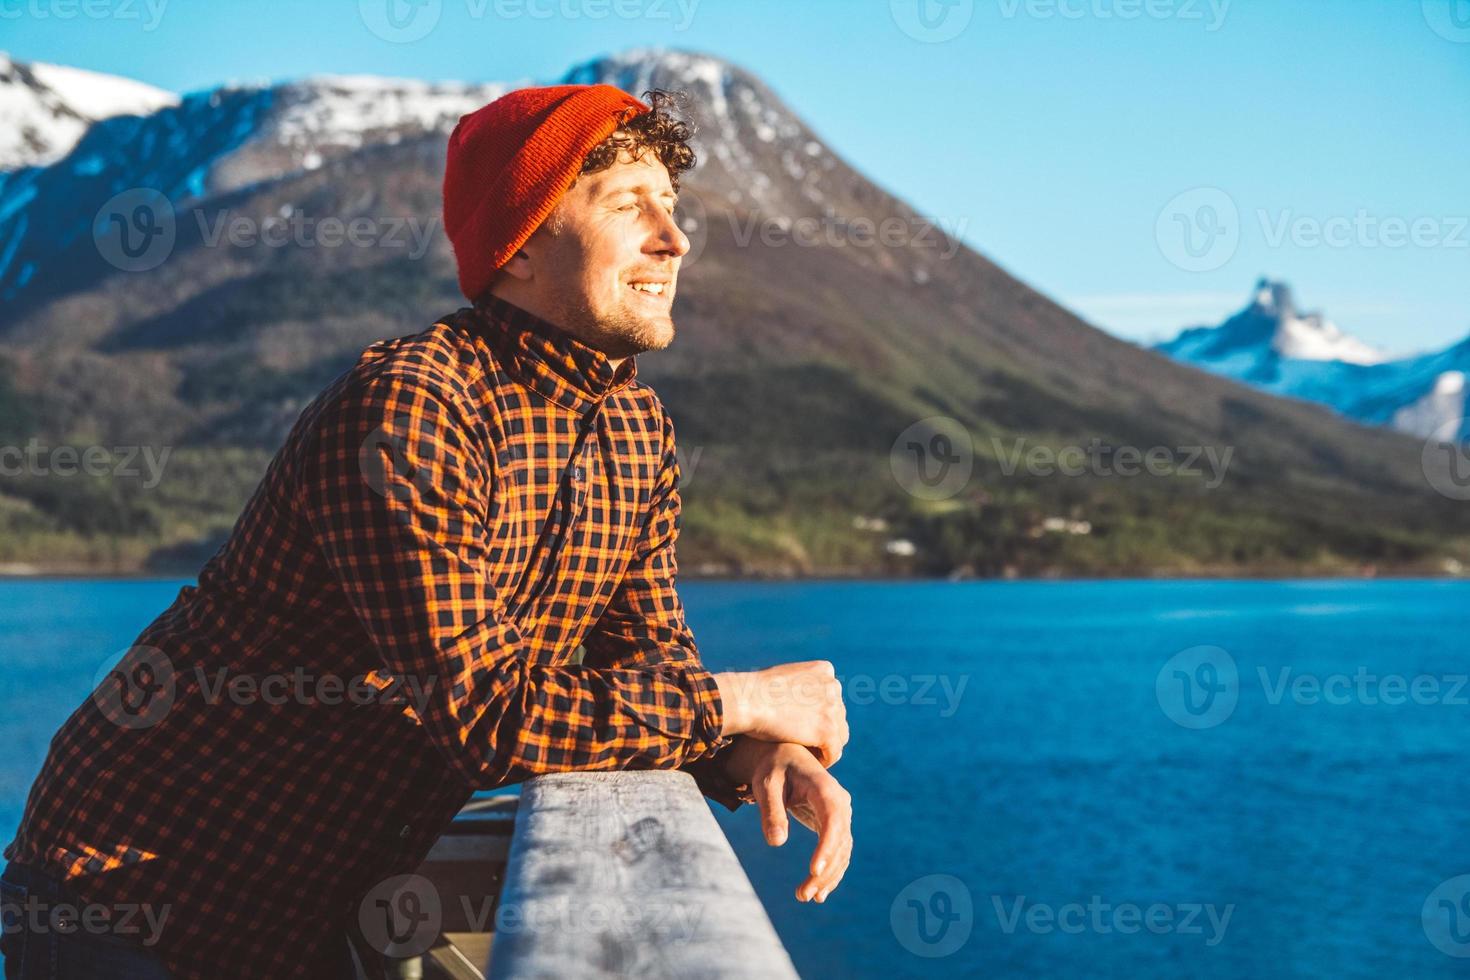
[796, 372]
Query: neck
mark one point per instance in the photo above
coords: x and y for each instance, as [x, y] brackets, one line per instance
[530, 304]
[526, 302]
[547, 358]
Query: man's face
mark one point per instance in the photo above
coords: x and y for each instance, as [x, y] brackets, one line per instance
[612, 229]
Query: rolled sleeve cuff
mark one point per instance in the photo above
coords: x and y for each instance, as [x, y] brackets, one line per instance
[709, 712]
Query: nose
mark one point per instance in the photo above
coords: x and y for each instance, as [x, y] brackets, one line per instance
[670, 235]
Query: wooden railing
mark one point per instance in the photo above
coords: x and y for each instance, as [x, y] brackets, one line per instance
[627, 874]
[600, 875]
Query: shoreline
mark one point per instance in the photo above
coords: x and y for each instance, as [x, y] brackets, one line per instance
[10, 575]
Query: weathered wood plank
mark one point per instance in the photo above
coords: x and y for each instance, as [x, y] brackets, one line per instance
[627, 874]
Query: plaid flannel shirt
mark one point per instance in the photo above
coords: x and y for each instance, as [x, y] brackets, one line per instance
[391, 625]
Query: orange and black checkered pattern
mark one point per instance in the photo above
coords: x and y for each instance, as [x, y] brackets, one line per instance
[392, 624]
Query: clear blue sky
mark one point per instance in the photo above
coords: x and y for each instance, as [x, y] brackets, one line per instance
[1057, 134]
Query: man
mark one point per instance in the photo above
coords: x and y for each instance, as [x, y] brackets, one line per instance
[447, 524]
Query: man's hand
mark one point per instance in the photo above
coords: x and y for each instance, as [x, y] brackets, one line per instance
[786, 777]
[799, 703]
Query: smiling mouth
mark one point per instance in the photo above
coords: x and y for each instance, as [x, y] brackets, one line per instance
[656, 291]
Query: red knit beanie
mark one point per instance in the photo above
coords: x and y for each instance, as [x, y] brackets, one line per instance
[509, 162]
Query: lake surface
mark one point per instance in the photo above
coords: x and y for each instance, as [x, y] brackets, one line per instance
[1113, 779]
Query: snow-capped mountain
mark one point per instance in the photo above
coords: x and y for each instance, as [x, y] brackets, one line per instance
[1436, 410]
[320, 117]
[764, 167]
[206, 144]
[45, 109]
[799, 358]
[751, 147]
[1272, 346]
[755, 156]
[1252, 343]
[1309, 336]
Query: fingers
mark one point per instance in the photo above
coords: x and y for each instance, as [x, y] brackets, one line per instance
[830, 750]
[770, 794]
[800, 703]
[834, 846]
[837, 723]
[832, 875]
[819, 885]
[834, 728]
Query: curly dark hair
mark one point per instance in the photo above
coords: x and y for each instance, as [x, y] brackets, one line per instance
[658, 131]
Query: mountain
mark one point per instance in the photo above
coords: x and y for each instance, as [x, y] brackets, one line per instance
[825, 328]
[1270, 345]
[45, 109]
[207, 145]
[1253, 344]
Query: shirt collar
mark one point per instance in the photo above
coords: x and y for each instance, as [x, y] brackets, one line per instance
[548, 359]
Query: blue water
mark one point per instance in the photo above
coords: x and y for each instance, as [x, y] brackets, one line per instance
[1056, 775]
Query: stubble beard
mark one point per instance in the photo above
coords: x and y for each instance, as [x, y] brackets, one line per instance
[617, 333]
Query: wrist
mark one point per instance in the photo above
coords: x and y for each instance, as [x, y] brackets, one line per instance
[750, 757]
[738, 768]
[739, 762]
[736, 709]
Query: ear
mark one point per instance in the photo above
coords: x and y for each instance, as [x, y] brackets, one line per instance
[518, 266]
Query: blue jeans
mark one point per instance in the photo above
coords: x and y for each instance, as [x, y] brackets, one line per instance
[49, 936]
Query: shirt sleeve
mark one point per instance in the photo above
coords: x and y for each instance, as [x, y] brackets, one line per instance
[394, 485]
[643, 624]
